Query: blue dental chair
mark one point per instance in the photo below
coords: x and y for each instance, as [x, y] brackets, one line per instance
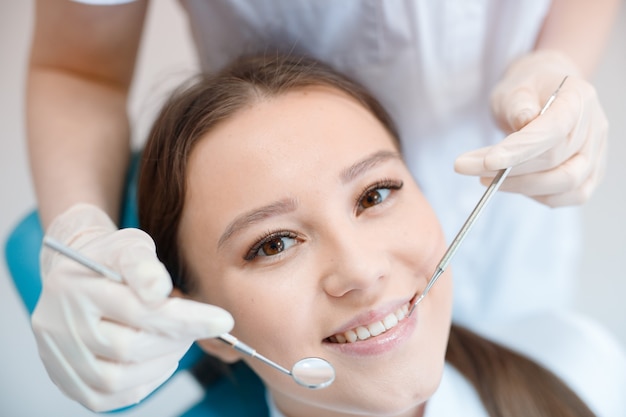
[236, 392]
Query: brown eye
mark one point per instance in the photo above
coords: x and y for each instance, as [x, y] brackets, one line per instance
[272, 244]
[272, 247]
[376, 194]
[371, 198]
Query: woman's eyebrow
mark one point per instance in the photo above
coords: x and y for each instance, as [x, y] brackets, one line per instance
[371, 161]
[289, 204]
[256, 215]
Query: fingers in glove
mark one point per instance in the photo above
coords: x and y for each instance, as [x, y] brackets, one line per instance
[574, 197]
[114, 386]
[558, 178]
[182, 318]
[74, 227]
[570, 184]
[109, 401]
[579, 195]
[91, 373]
[145, 274]
[543, 144]
[101, 402]
[565, 178]
[515, 109]
[80, 330]
[119, 343]
[111, 377]
[176, 317]
[101, 385]
[543, 134]
[131, 253]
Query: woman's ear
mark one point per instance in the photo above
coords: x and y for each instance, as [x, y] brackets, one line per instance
[222, 351]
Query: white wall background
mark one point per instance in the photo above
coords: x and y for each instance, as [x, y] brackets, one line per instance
[25, 389]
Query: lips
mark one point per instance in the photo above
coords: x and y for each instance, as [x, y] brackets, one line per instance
[373, 329]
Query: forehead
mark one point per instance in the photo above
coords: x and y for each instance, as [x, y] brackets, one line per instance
[291, 146]
[304, 126]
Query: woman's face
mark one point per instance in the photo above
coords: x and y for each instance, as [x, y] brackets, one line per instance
[302, 220]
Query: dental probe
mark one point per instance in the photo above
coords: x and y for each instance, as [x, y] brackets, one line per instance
[312, 373]
[482, 203]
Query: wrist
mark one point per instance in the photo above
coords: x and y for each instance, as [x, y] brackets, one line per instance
[551, 60]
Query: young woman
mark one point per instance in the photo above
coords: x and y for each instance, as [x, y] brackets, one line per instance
[276, 190]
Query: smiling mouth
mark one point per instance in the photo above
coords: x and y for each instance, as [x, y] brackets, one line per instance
[374, 329]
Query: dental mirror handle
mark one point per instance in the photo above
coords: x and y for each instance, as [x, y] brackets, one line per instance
[238, 345]
[81, 259]
[482, 203]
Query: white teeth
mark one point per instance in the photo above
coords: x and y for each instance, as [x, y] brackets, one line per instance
[350, 336]
[362, 333]
[390, 321]
[376, 328]
[373, 329]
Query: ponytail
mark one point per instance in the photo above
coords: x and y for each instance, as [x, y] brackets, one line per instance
[509, 384]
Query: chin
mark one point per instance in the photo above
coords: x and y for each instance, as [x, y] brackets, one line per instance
[392, 395]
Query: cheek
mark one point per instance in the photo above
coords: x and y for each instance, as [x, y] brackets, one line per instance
[263, 308]
[273, 319]
[419, 236]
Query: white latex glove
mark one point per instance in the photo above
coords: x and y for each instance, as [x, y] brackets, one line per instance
[105, 344]
[558, 158]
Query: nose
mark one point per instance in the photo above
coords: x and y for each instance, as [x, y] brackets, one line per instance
[355, 261]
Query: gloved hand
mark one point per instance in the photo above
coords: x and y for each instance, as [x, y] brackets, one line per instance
[558, 158]
[106, 344]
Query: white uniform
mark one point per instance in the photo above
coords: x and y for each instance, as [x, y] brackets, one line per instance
[582, 354]
[433, 65]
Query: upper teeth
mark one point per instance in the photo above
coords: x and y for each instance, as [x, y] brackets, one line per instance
[372, 329]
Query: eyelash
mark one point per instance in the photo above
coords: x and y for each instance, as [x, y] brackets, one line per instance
[387, 183]
[265, 238]
[277, 234]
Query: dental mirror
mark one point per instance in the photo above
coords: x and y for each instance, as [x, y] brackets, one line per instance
[312, 373]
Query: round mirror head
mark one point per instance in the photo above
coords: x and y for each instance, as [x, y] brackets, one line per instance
[313, 373]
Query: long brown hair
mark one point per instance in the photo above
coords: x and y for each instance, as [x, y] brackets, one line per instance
[509, 384]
